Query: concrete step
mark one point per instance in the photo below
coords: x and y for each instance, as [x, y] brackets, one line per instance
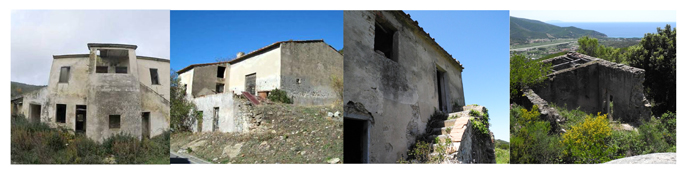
[444, 123]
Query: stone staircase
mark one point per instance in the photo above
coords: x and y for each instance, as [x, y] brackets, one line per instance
[452, 128]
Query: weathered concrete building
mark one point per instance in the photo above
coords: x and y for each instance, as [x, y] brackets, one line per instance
[109, 91]
[304, 69]
[396, 76]
[595, 85]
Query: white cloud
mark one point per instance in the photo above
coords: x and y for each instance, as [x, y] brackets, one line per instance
[37, 35]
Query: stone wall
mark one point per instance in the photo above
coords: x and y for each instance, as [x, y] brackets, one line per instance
[476, 147]
[306, 72]
[400, 94]
[594, 85]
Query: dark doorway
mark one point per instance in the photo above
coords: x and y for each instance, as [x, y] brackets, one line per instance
[356, 142]
[61, 114]
[215, 119]
[34, 109]
[145, 126]
[81, 119]
[251, 83]
[199, 121]
[442, 103]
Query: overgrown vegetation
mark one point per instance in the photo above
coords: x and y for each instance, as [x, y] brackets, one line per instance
[502, 152]
[420, 151]
[531, 141]
[480, 121]
[589, 139]
[525, 72]
[37, 143]
[279, 96]
[182, 112]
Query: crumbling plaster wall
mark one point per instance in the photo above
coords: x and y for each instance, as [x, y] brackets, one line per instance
[113, 94]
[163, 74]
[205, 80]
[590, 86]
[313, 64]
[400, 95]
[72, 93]
[186, 78]
[267, 65]
[37, 97]
[226, 122]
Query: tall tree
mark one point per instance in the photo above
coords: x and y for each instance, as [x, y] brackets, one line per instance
[183, 114]
[656, 54]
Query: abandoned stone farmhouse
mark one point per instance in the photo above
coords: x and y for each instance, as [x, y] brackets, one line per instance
[594, 85]
[304, 69]
[108, 91]
[396, 77]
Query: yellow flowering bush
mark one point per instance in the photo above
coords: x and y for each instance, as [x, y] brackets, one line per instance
[586, 142]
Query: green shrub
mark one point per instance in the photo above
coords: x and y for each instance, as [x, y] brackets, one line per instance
[280, 96]
[530, 138]
[587, 142]
[37, 143]
[502, 156]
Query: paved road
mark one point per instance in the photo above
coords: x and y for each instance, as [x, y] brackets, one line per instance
[181, 158]
[526, 48]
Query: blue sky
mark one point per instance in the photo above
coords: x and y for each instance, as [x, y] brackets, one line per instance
[598, 15]
[204, 36]
[480, 41]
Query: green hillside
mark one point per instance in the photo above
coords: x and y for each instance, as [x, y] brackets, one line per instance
[522, 29]
[21, 88]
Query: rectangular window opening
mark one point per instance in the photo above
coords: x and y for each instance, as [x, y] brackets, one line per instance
[101, 69]
[61, 113]
[114, 121]
[219, 88]
[220, 71]
[64, 74]
[121, 69]
[384, 41]
[154, 77]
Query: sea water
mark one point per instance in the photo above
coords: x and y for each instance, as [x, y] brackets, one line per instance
[619, 29]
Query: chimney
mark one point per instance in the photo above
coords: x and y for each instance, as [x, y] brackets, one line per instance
[240, 54]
